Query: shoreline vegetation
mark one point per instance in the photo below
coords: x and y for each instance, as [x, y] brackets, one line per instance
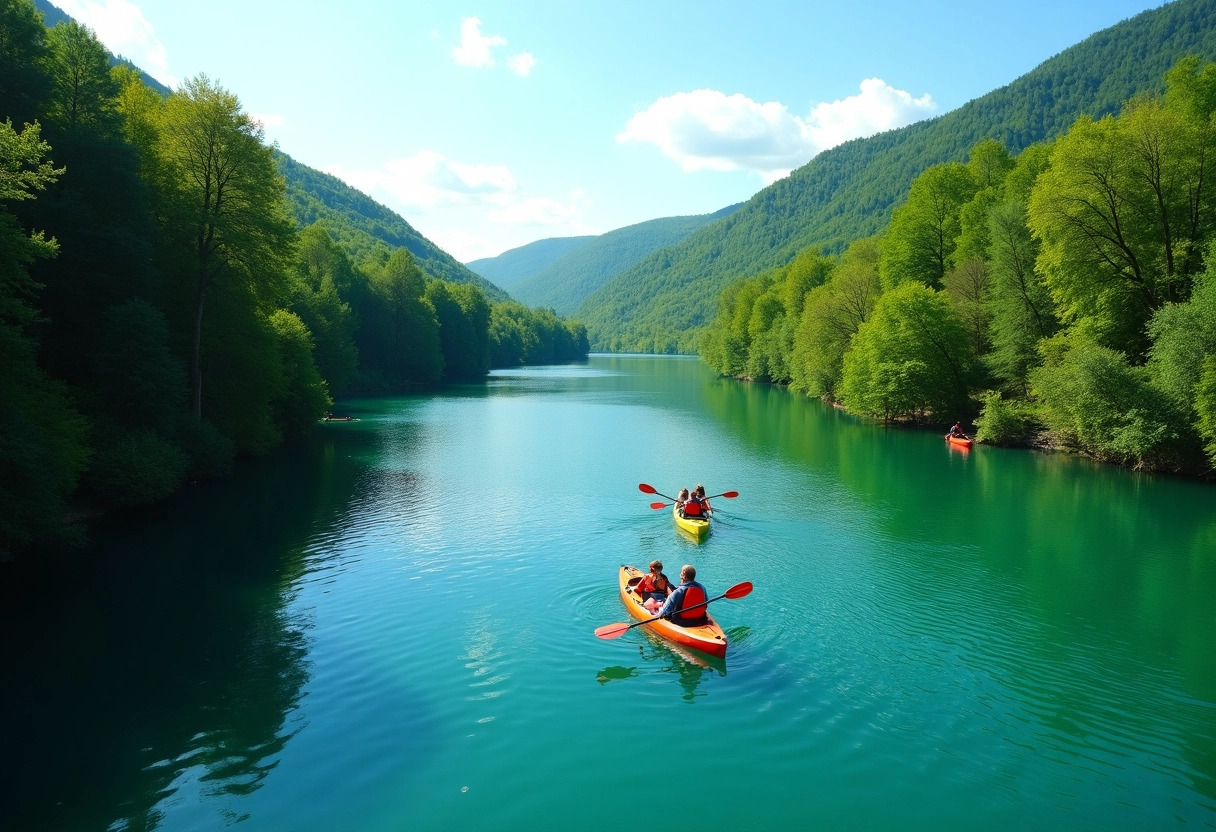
[162, 310]
[1062, 298]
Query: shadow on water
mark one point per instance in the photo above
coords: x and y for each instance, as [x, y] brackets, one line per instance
[170, 647]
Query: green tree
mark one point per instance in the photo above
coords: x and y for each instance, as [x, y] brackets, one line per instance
[303, 398]
[832, 314]
[229, 206]
[1092, 397]
[464, 328]
[399, 332]
[24, 86]
[83, 90]
[1021, 308]
[911, 359]
[920, 241]
[42, 446]
[1122, 214]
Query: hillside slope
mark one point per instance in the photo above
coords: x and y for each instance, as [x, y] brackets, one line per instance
[518, 264]
[567, 282]
[367, 230]
[849, 191]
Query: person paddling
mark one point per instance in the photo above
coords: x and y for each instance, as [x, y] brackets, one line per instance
[688, 594]
[957, 430]
[695, 506]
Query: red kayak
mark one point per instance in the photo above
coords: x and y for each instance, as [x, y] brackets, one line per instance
[959, 441]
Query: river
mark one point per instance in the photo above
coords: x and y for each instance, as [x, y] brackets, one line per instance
[389, 626]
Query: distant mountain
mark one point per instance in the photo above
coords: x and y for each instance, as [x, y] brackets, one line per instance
[849, 191]
[568, 281]
[514, 265]
[367, 230]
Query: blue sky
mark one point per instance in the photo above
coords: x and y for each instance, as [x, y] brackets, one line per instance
[488, 125]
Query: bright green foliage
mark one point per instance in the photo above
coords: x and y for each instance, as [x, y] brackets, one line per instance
[973, 237]
[1123, 213]
[83, 91]
[1001, 421]
[989, 164]
[832, 314]
[1205, 406]
[464, 320]
[1021, 309]
[753, 335]
[910, 359]
[303, 398]
[1092, 396]
[919, 245]
[1184, 336]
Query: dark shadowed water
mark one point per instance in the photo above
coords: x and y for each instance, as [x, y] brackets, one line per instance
[389, 627]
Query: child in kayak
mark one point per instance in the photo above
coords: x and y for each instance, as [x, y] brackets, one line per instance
[681, 499]
[654, 587]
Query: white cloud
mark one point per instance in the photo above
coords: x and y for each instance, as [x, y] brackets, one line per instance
[428, 178]
[522, 63]
[475, 48]
[709, 130]
[470, 210]
[121, 26]
[269, 121]
[535, 211]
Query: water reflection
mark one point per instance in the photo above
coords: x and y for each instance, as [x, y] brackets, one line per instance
[162, 664]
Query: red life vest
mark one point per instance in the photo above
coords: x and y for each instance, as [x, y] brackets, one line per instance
[647, 585]
[693, 596]
[693, 508]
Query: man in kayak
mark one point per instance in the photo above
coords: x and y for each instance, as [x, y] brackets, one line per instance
[688, 594]
[957, 430]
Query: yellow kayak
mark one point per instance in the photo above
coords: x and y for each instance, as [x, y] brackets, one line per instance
[695, 526]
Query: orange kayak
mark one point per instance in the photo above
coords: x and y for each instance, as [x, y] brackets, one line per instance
[708, 638]
[959, 441]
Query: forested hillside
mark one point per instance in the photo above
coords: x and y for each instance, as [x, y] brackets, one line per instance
[567, 282]
[1066, 294]
[161, 310]
[367, 230]
[849, 192]
[517, 264]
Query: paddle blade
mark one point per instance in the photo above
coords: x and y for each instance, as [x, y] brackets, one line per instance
[659, 505]
[730, 495]
[738, 590]
[609, 631]
[646, 489]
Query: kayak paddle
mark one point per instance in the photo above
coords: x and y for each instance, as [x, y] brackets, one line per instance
[610, 631]
[649, 489]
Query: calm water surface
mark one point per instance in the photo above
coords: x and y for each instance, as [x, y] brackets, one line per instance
[389, 627]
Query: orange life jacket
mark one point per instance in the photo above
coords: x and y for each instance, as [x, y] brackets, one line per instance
[693, 596]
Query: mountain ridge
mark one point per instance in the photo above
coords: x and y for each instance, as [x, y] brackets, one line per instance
[849, 191]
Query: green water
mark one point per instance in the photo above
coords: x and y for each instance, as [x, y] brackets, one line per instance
[389, 627]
